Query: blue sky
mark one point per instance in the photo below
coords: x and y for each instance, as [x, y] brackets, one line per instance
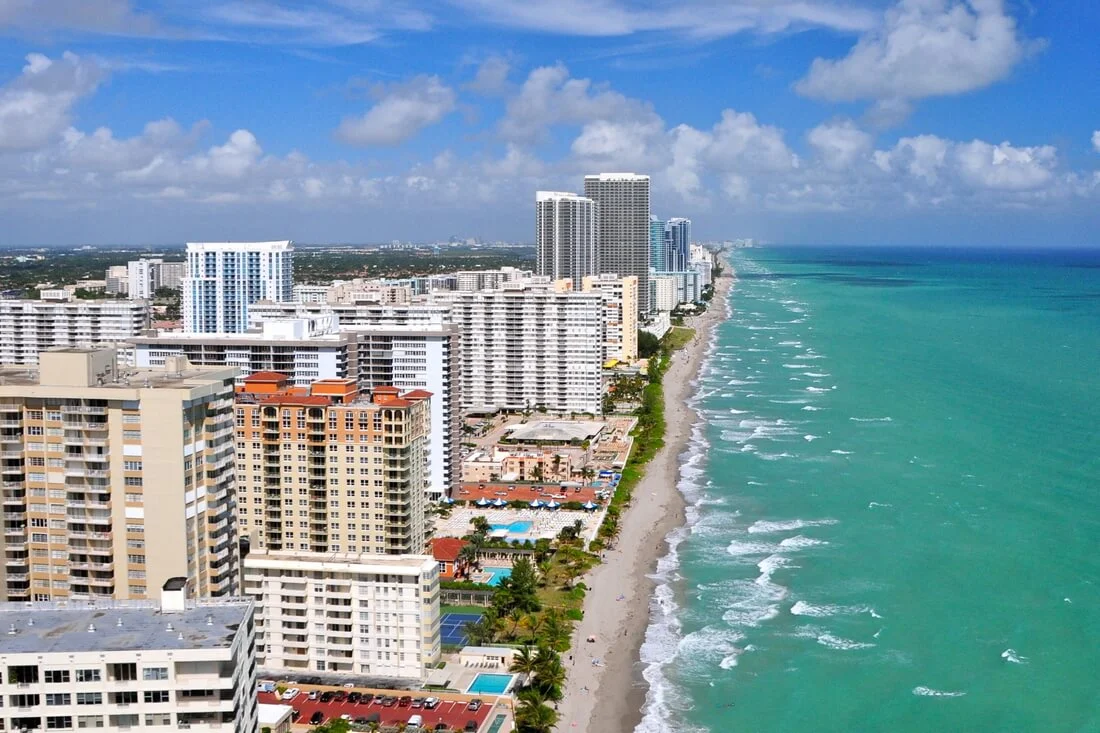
[946, 122]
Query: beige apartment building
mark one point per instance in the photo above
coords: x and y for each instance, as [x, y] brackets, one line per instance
[330, 469]
[345, 613]
[620, 322]
[116, 479]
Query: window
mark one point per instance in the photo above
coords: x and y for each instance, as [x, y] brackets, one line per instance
[89, 721]
[132, 465]
[132, 481]
[59, 722]
[154, 673]
[89, 698]
[158, 719]
[157, 696]
[136, 559]
[135, 498]
[125, 697]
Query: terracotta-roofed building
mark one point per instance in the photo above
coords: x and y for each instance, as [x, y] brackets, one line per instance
[330, 469]
[445, 551]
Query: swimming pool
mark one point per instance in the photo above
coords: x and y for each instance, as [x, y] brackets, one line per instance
[496, 575]
[513, 528]
[490, 684]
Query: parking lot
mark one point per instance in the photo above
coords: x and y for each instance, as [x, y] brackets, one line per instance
[452, 713]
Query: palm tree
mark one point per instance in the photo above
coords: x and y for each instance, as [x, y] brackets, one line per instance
[549, 673]
[516, 616]
[533, 716]
[532, 622]
[467, 556]
[555, 629]
[525, 662]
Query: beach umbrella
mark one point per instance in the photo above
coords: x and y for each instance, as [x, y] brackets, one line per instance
[499, 502]
[482, 502]
[589, 506]
[552, 505]
[536, 504]
[447, 500]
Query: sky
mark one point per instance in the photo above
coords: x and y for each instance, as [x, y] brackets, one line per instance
[897, 122]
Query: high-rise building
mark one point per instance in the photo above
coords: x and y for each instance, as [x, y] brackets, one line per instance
[117, 280]
[620, 310]
[330, 469]
[28, 327]
[623, 249]
[566, 235]
[144, 277]
[379, 613]
[175, 664]
[678, 238]
[528, 346]
[305, 349]
[224, 278]
[115, 480]
[658, 244]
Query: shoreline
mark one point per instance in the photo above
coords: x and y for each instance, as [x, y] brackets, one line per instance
[610, 695]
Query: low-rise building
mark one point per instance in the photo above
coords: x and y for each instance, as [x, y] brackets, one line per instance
[345, 613]
[28, 327]
[179, 664]
[504, 464]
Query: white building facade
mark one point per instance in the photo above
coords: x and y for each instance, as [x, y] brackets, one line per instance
[345, 613]
[125, 665]
[566, 236]
[30, 326]
[224, 279]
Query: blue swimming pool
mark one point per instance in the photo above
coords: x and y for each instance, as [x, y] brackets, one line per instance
[497, 575]
[490, 684]
[513, 528]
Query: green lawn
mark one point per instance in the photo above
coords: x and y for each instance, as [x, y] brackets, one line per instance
[678, 337]
[444, 610]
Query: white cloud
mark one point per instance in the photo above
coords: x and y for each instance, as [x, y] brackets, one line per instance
[1005, 167]
[840, 144]
[1096, 140]
[401, 112]
[924, 48]
[922, 157]
[698, 18]
[741, 143]
[550, 97]
[110, 17]
[36, 106]
[491, 77]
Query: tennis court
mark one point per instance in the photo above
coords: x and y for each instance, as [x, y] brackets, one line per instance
[452, 628]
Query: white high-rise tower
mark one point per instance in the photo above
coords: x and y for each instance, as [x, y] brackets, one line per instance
[224, 278]
[565, 235]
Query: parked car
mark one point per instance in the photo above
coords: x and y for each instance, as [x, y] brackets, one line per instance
[389, 702]
[431, 703]
[313, 694]
[471, 726]
[404, 701]
[441, 726]
[295, 713]
[379, 698]
[474, 705]
[361, 720]
[418, 702]
[291, 693]
[355, 697]
[340, 696]
[416, 721]
[346, 717]
[316, 718]
[327, 696]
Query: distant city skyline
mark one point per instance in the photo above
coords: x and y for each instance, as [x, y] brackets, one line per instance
[908, 122]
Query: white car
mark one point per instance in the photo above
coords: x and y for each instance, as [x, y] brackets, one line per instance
[291, 693]
[345, 716]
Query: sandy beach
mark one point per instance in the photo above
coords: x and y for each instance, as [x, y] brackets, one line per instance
[605, 690]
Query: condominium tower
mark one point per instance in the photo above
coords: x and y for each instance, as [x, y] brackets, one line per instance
[623, 249]
[28, 327]
[566, 228]
[331, 470]
[345, 613]
[224, 278]
[167, 664]
[678, 241]
[115, 480]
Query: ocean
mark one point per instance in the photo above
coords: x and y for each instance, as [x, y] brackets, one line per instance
[894, 500]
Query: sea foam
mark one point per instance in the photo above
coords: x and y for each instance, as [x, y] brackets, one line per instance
[923, 691]
[767, 527]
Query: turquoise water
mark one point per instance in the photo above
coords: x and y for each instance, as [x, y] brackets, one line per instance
[513, 528]
[895, 518]
[497, 575]
[490, 684]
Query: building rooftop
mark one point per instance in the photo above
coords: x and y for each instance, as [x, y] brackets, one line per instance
[97, 368]
[554, 431]
[447, 548]
[334, 562]
[72, 626]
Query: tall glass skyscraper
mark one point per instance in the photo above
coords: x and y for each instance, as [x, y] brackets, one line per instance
[224, 278]
[678, 241]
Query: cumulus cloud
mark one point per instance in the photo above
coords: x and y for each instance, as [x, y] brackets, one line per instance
[491, 77]
[840, 144]
[402, 111]
[37, 105]
[1096, 140]
[549, 96]
[924, 48]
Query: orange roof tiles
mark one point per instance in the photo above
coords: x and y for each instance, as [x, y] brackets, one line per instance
[447, 548]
